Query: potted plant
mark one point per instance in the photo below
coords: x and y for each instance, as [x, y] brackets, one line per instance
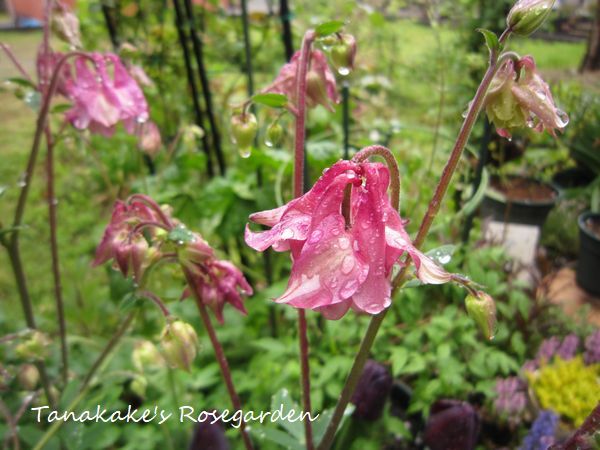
[588, 266]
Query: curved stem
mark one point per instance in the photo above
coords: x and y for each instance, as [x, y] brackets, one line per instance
[392, 164]
[157, 301]
[299, 159]
[155, 207]
[220, 356]
[434, 206]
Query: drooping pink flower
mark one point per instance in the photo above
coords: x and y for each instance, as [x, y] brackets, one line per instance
[120, 243]
[518, 98]
[219, 282]
[101, 99]
[338, 265]
[321, 86]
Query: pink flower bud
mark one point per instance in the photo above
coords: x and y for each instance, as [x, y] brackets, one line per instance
[150, 141]
[65, 26]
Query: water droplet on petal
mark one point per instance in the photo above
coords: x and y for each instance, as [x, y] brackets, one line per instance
[344, 243]
[288, 233]
[315, 236]
[349, 289]
[347, 264]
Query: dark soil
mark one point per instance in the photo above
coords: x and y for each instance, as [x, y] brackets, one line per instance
[523, 189]
[593, 224]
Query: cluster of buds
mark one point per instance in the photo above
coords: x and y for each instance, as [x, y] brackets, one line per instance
[141, 233]
[452, 425]
[518, 97]
[321, 88]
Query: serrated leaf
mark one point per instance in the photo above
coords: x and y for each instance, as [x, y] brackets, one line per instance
[272, 100]
[491, 39]
[328, 28]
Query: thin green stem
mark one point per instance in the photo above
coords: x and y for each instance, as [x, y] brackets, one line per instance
[434, 206]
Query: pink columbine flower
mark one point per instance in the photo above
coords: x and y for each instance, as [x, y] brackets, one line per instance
[102, 99]
[338, 265]
[121, 242]
[519, 98]
[218, 282]
[321, 86]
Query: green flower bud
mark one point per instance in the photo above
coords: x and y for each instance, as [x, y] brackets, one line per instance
[146, 355]
[179, 344]
[35, 346]
[244, 127]
[482, 310]
[528, 15]
[343, 54]
[274, 134]
[28, 377]
[138, 386]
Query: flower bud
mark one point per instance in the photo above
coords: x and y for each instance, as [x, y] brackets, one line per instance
[209, 435]
[65, 26]
[274, 134]
[244, 127]
[34, 346]
[195, 253]
[343, 54]
[482, 309]
[28, 377]
[138, 386]
[452, 425]
[316, 89]
[150, 141]
[145, 355]
[528, 15]
[372, 390]
[179, 344]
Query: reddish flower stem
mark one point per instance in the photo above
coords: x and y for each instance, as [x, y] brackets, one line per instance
[300, 136]
[392, 164]
[434, 206]
[220, 355]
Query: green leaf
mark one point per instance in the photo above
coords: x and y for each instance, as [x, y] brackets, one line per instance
[442, 255]
[320, 425]
[491, 39]
[399, 359]
[281, 438]
[181, 235]
[271, 100]
[282, 400]
[22, 82]
[61, 108]
[329, 28]
[129, 301]
[473, 203]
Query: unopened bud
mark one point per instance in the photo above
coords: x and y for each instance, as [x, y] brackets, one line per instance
[343, 54]
[244, 127]
[274, 134]
[34, 346]
[145, 355]
[138, 386]
[482, 309]
[65, 26]
[28, 377]
[316, 89]
[528, 15]
[179, 344]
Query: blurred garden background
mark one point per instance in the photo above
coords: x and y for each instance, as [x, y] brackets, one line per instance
[417, 67]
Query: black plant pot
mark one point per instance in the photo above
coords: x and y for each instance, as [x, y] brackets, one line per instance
[572, 179]
[588, 266]
[496, 206]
